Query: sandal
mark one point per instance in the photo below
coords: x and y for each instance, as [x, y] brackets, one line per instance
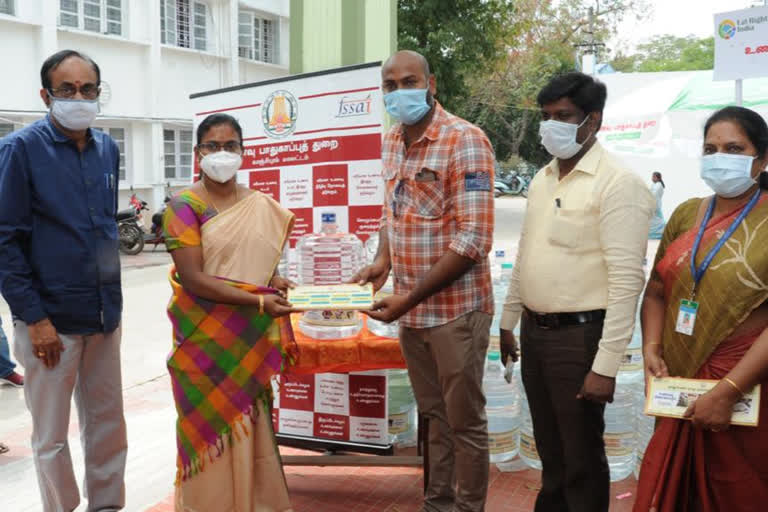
[3, 449]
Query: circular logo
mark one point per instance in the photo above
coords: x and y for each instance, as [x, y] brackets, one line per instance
[727, 29]
[279, 114]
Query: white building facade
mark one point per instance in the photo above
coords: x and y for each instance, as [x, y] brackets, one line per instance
[153, 54]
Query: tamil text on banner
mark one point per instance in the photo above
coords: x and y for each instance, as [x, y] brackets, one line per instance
[312, 142]
[341, 407]
[741, 44]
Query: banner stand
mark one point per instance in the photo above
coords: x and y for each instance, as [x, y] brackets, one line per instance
[313, 143]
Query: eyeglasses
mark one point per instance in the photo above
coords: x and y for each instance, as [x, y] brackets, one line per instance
[89, 91]
[212, 147]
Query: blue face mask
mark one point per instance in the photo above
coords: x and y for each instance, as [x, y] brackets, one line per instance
[408, 106]
[727, 175]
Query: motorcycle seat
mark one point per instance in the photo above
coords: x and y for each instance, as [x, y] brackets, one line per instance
[126, 214]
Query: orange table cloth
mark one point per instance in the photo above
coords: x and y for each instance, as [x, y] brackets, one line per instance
[366, 351]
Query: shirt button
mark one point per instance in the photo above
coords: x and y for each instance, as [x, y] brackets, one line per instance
[92, 209]
[87, 182]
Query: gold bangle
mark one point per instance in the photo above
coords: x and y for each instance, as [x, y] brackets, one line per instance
[654, 343]
[261, 304]
[735, 386]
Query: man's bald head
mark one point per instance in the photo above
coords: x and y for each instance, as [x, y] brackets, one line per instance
[407, 58]
[407, 69]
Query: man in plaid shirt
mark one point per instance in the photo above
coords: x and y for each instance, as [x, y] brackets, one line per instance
[436, 232]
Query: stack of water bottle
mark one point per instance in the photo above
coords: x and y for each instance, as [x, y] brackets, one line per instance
[510, 431]
[328, 258]
[501, 273]
[402, 413]
[628, 429]
[403, 418]
[502, 407]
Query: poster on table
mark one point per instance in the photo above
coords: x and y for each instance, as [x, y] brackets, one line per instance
[741, 44]
[341, 407]
[312, 142]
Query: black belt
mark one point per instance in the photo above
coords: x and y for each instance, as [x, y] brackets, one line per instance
[558, 320]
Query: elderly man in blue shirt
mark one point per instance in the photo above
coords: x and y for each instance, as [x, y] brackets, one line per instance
[60, 274]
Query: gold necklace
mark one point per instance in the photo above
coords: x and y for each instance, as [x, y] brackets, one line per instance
[210, 197]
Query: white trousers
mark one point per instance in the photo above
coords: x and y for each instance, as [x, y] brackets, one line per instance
[89, 366]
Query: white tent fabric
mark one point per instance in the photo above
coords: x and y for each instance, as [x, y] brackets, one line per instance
[654, 122]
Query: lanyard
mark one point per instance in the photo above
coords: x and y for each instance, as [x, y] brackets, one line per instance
[698, 273]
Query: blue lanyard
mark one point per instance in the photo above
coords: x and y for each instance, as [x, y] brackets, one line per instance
[698, 273]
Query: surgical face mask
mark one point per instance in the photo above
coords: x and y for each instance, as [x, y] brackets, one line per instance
[76, 115]
[409, 106]
[559, 138]
[221, 166]
[727, 175]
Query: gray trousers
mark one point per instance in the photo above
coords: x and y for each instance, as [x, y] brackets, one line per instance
[89, 366]
[445, 364]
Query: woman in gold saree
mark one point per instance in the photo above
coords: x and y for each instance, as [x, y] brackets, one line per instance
[230, 329]
[704, 464]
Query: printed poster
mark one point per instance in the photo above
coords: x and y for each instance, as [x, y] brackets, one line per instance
[312, 142]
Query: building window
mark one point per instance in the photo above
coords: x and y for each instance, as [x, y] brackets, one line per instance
[257, 37]
[7, 7]
[184, 23]
[5, 128]
[177, 146]
[103, 16]
[119, 135]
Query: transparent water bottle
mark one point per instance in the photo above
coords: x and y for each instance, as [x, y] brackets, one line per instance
[502, 409]
[620, 429]
[371, 248]
[287, 265]
[327, 258]
[528, 451]
[401, 409]
[645, 427]
[500, 287]
[621, 415]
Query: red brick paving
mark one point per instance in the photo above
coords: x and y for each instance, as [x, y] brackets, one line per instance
[386, 489]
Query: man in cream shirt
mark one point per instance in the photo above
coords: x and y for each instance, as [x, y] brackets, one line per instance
[576, 284]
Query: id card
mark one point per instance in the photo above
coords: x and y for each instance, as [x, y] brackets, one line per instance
[686, 317]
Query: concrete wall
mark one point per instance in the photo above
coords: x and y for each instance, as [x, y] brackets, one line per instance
[332, 33]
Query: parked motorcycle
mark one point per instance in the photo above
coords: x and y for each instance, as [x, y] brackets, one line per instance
[513, 183]
[500, 188]
[155, 235]
[130, 234]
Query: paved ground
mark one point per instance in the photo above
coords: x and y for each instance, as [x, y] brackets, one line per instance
[150, 416]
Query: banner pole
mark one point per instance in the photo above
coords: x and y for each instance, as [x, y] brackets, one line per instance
[739, 92]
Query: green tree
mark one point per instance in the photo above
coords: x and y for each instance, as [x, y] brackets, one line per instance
[459, 38]
[541, 45]
[669, 53]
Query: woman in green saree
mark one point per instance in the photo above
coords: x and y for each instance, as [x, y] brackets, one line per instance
[704, 464]
[231, 331]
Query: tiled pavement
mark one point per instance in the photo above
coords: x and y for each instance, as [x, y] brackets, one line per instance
[316, 489]
[150, 416]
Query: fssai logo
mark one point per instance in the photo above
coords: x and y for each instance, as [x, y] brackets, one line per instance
[727, 29]
[351, 107]
[279, 114]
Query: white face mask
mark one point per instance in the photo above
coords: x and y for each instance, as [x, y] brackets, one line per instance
[221, 166]
[74, 115]
[559, 138]
[727, 175]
